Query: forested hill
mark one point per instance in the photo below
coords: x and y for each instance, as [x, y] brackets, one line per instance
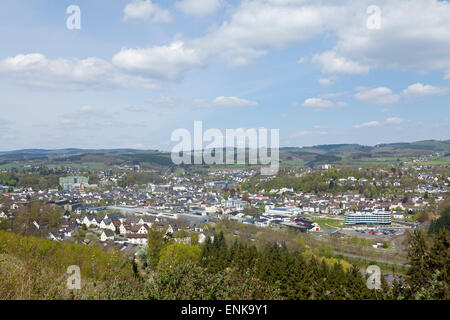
[346, 154]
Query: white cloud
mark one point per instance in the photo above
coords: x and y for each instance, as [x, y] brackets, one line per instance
[380, 95]
[326, 82]
[317, 103]
[198, 8]
[222, 101]
[35, 69]
[371, 124]
[331, 63]
[394, 120]
[301, 60]
[256, 26]
[166, 62]
[145, 9]
[418, 89]
[367, 125]
[413, 35]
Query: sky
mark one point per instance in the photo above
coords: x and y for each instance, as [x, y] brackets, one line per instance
[320, 71]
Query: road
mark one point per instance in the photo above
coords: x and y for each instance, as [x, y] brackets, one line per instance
[369, 259]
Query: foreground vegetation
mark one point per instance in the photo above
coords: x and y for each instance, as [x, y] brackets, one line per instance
[32, 268]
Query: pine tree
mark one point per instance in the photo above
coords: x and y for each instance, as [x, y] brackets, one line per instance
[440, 262]
[419, 273]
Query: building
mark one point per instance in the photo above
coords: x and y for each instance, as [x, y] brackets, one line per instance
[372, 218]
[283, 211]
[74, 182]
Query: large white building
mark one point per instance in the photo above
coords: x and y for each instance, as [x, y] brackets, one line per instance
[370, 218]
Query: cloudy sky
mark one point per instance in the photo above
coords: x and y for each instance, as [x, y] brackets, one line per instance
[321, 71]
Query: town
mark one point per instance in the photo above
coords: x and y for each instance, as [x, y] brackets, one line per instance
[115, 207]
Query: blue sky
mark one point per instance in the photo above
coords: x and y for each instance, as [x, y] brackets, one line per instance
[138, 70]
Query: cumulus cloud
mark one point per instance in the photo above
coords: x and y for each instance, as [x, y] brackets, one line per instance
[394, 120]
[418, 89]
[167, 62]
[326, 82]
[36, 69]
[319, 104]
[229, 102]
[371, 124]
[413, 35]
[380, 95]
[145, 9]
[256, 26]
[198, 8]
[330, 62]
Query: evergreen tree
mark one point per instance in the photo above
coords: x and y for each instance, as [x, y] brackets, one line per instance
[419, 272]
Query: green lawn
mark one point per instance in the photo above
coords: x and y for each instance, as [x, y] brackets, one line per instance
[326, 222]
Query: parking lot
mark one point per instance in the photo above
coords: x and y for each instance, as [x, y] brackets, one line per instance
[372, 233]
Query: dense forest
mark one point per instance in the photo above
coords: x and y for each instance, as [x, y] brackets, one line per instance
[32, 268]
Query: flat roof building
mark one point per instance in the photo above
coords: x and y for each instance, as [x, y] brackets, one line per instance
[69, 183]
[369, 218]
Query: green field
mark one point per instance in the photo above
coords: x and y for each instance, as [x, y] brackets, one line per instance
[294, 163]
[435, 161]
[11, 166]
[327, 222]
[372, 161]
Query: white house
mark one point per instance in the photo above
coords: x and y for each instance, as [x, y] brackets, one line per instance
[107, 235]
[107, 224]
[137, 238]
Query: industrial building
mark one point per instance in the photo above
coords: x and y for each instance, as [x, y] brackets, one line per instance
[368, 218]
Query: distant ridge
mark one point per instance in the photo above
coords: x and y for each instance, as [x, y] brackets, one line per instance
[344, 154]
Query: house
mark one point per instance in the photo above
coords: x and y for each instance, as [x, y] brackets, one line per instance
[139, 229]
[146, 221]
[137, 238]
[124, 229]
[3, 215]
[202, 237]
[90, 221]
[107, 235]
[56, 235]
[377, 244]
[107, 224]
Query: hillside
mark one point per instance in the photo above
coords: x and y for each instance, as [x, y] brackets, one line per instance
[345, 154]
